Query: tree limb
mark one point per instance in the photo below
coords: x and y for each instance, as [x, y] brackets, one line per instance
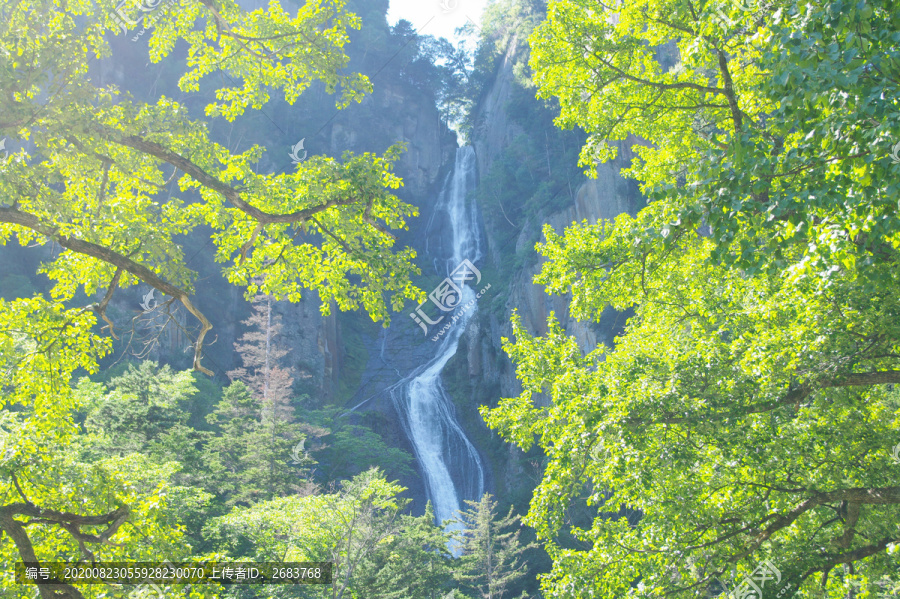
[231, 194]
[110, 256]
[69, 522]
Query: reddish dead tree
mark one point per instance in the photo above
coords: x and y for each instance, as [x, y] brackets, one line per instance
[262, 355]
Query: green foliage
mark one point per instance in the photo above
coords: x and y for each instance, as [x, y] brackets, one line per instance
[353, 448]
[378, 552]
[64, 503]
[492, 555]
[96, 161]
[245, 457]
[252, 457]
[801, 139]
[203, 402]
[413, 563]
[115, 185]
[346, 450]
[145, 404]
[746, 413]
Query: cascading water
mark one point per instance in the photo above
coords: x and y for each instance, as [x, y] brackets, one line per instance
[451, 466]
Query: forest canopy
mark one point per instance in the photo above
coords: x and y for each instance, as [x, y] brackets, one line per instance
[115, 183]
[746, 416]
[739, 438]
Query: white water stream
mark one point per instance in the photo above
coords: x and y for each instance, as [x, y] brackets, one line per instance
[452, 468]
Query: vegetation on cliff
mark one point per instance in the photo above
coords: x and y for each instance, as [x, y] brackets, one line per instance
[741, 430]
[742, 434]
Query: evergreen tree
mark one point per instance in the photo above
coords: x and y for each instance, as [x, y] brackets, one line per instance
[252, 459]
[141, 411]
[491, 559]
[413, 563]
[265, 440]
[261, 353]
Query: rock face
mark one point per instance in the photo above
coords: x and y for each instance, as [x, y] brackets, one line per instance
[491, 373]
[396, 111]
[409, 116]
[494, 131]
[389, 113]
[604, 197]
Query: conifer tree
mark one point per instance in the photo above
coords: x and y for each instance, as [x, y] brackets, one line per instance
[491, 558]
[261, 353]
[255, 455]
[416, 562]
[143, 406]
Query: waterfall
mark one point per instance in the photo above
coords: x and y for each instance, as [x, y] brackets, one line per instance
[451, 466]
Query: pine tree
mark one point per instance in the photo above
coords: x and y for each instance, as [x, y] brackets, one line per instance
[261, 353]
[415, 562]
[491, 559]
[143, 406]
[256, 452]
[236, 467]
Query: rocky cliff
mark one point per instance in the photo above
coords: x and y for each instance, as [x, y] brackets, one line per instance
[396, 111]
[485, 364]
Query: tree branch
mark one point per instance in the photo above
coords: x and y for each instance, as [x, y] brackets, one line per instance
[231, 194]
[101, 307]
[657, 84]
[849, 557]
[69, 522]
[795, 396]
[24, 219]
[736, 115]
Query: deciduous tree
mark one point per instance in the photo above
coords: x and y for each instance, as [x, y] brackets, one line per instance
[747, 412]
[359, 527]
[113, 182]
